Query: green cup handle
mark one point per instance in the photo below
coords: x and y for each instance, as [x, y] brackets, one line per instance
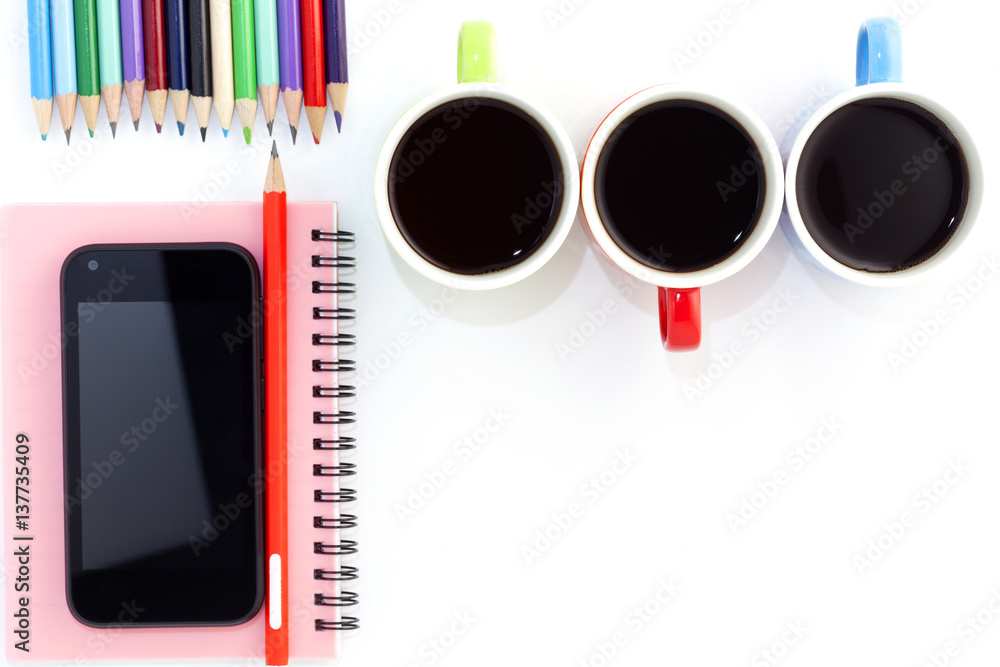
[477, 53]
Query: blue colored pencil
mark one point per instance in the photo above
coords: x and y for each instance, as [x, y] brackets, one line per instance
[177, 61]
[64, 61]
[40, 59]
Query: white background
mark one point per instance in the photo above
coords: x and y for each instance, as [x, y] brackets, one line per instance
[567, 416]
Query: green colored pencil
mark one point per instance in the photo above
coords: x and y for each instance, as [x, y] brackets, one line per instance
[109, 38]
[268, 80]
[244, 65]
[87, 75]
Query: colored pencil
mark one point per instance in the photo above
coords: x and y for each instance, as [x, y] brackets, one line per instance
[336, 57]
[276, 410]
[266, 23]
[177, 61]
[313, 66]
[40, 62]
[109, 40]
[244, 65]
[88, 78]
[290, 61]
[63, 62]
[155, 41]
[200, 67]
[220, 20]
[133, 57]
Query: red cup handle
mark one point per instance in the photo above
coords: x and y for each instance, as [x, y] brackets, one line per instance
[680, 318]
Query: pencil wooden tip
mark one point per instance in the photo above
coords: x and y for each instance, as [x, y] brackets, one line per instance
[91, 105]
[112, 95]
[293, 108]
[316, 116]
[338, 100]
[275, 180]
[246, 109]
[157, 104]
[43, 115]
[134, 91]
[269, 96]
[202, 110]
[67, 109]
[179, 101]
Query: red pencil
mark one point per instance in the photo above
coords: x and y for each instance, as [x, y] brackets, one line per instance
[154, 37]
[276, 413]
[314, 66]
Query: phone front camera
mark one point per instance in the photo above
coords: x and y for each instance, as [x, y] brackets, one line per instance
[92, 265]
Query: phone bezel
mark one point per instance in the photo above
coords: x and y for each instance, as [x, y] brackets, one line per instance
[209, 597]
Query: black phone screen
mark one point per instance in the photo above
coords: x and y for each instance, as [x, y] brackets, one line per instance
[162, 416]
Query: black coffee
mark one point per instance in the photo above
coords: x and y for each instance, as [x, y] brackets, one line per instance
[882, 185]
[679, 185]
[475, 186]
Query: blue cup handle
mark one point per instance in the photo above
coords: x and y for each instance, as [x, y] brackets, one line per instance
[880, 52]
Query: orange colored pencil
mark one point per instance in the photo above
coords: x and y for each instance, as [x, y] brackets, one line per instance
[276, 412]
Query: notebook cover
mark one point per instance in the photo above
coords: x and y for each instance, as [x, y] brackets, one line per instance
[34, 242]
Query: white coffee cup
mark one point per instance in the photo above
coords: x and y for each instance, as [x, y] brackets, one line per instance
[679, 295]
[879, 68]
[477, 83]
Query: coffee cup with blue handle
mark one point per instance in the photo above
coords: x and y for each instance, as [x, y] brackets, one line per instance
[883, 183]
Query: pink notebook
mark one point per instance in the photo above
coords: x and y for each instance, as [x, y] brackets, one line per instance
[34, 241]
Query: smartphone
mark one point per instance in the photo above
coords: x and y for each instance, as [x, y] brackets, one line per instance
[162, 429]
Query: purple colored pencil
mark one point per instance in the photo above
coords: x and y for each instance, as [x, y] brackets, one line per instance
[290, 61]
[336, 56]
[133, 57]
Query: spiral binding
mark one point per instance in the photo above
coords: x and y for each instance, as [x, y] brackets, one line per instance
[333, 389]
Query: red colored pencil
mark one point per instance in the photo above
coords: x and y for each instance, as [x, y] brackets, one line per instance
[154, 38]
[276, 412]
[314, 66]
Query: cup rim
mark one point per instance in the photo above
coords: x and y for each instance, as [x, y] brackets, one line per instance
[916, 273]
[560, 230]
[769, 211]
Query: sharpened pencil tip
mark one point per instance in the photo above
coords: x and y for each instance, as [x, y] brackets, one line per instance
[114, 130]
[295, 133]
[316, 139]
[91, 132]
[159, 128]
[337, 117]
[135, 124]
[68, 132]
[246, 134]
[270, 128]
[45, 137]
[180, 128]
[225, 133]
[204, 131]
[274, 149]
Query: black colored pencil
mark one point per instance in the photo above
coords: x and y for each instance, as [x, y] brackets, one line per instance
[200, 64]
